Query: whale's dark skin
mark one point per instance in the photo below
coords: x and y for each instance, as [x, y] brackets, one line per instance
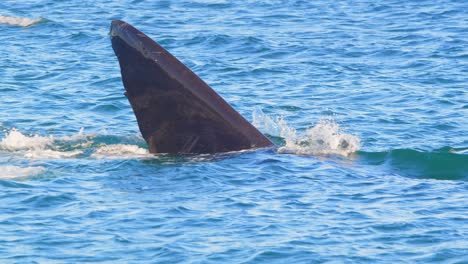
[177, 112]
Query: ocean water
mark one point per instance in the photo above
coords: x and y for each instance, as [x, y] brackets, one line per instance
[367, 102]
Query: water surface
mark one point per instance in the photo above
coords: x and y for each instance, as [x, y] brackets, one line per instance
[388, 77]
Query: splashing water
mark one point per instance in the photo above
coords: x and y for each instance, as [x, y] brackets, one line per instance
[19, 21]
[324, 138]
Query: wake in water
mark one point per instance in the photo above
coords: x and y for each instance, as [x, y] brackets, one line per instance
[324, 138]
[120, 151]
[79, 145]
[16, 147]
[19, 21]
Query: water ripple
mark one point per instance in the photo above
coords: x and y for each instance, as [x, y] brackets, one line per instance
[78, 184]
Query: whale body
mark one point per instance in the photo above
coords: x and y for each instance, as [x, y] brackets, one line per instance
[176, 111]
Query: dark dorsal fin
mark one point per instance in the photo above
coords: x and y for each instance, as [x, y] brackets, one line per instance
[177, 112]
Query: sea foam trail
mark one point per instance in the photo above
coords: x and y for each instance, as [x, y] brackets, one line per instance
[37, 147]
[19, 21]
[15, 172]
[121, 151]
[324, 138]
[48, 147]
[15, 141]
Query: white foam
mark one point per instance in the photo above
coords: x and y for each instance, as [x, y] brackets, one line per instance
[15, 141]
[324, 138]
[48, 147]
[459, 151]
[19, 21]
[15, 172]
[51, 154]
[120, 151]
[40, 147]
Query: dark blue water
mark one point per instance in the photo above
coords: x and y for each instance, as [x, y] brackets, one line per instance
[388, 77]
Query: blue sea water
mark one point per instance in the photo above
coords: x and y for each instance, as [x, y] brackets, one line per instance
[391, 77]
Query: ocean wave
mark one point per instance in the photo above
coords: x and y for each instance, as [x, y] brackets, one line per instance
[442, 164]
[19, 21]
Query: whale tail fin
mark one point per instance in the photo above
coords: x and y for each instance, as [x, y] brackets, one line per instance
[176, 111]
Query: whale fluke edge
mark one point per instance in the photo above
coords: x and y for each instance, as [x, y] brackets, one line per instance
[176, 111]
